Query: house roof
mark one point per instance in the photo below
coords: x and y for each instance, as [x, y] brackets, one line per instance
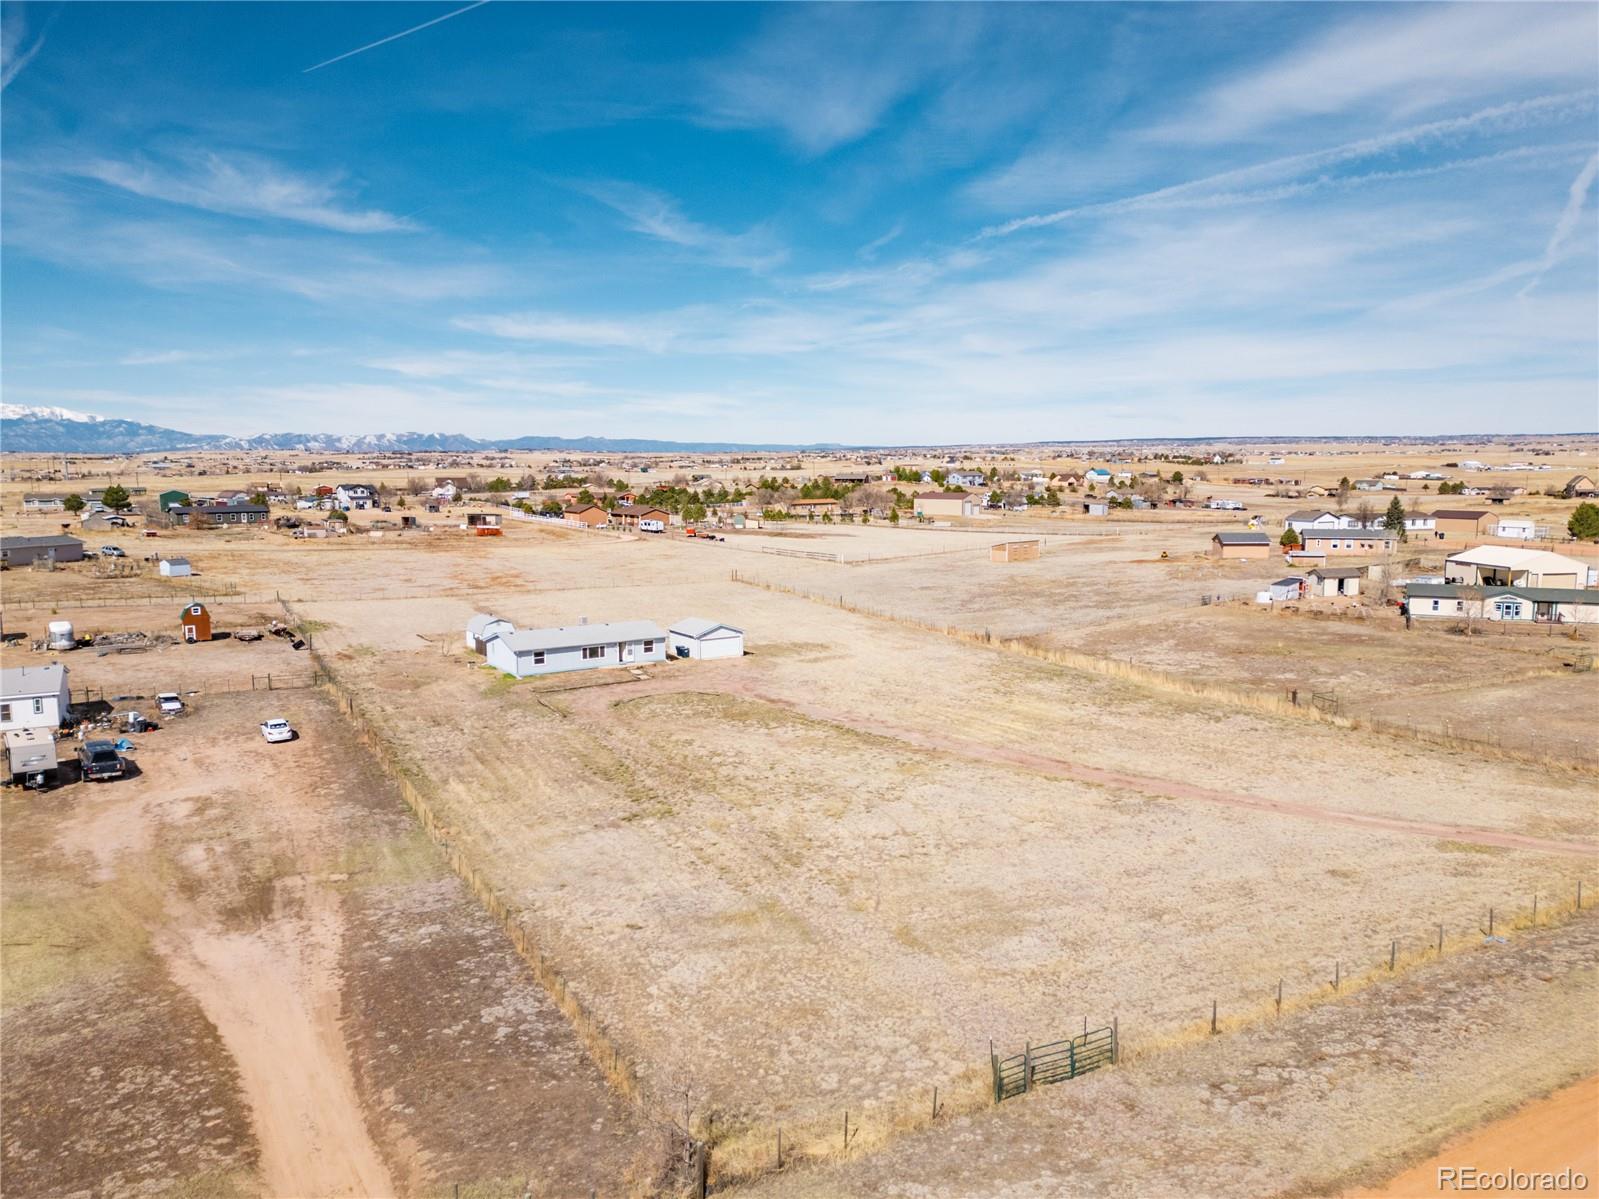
[25, 682]
[1340, 534]
[1309, 514]
[1339, 572]
[1508, 557]
[637, 510]
[574, 508]
[1457, 514]
[1290, 581]
[479, 623]
[1229, 538]
[176, 561]
[810, 503]
[55, 540]
[699, 628]
[943, 495]
[216, 509]
[1538, 595]
[571, 636]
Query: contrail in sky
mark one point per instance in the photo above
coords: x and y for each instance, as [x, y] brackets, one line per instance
[394, 37]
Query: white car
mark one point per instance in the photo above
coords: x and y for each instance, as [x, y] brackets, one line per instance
[277, 729]
[169, 702]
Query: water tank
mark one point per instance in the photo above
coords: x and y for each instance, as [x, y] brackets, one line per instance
[61, 635]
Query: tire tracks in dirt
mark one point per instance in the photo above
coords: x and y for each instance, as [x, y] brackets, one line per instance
[1063, 768]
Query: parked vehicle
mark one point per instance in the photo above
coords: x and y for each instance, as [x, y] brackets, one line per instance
[170, 702]
[277, 729]
[112, 551]
[652, 526]
[30, 757]
[99, 761]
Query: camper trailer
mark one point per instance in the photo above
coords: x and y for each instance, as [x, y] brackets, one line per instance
[31, 757]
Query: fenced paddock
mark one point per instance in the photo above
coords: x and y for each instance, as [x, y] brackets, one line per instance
[1015, 551]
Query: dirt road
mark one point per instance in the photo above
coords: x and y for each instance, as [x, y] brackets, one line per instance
[1552, 1134]
[273, 994]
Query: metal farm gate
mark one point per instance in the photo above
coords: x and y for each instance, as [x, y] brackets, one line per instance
[1058, 1061]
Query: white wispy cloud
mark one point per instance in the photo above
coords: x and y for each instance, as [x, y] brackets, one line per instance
[1576, 197]
[237, 185]
[826, 75]
[1402, 61]
[14, 57]
[1497, 119]
[659, 216]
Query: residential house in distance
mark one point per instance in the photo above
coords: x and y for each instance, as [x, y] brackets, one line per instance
[640, 517]
[169, 500]
[1518, 528]
[811, 509]
[1580, 487]
[353, 497]
[25, 551]
[43, 503]
[1318, 518]
[1240, 545]
[588, 514]
[958, 478]
[33, 697]
[1346, 542]
[1462, 522]
[527, 652]
[945, 503]
[1097, 475]
[1509, 566]
[220, 515]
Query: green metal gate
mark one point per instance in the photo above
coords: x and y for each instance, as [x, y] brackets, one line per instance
[1039, 1065]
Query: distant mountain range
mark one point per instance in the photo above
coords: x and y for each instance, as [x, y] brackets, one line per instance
[27, 430]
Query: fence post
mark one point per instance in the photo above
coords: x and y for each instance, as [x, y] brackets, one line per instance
[1115, 1040]
[1535, 911]
[1027, 1067]
[993, 1061]
[1279, 996]
[1071, 1059]
[1338, 974]
[1393, 951]
[1212, 1017]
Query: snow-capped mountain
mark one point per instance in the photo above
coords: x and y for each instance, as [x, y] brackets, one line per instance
[28, 430]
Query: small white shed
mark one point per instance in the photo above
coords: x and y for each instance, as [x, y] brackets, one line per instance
[483, 628]
[696, 637]
[176, 568]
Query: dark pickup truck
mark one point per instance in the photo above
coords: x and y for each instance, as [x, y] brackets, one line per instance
[99, 760]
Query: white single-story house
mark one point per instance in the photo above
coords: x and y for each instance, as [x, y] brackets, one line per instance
[1097, 475]
[577, 647]
[43, 503]
[696, 637]
[176, 568]
[483, 628]
[1313, 518]
[1541, 605]
[33, 697]
[1516, 528]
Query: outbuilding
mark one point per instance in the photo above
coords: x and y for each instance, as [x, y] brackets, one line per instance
[1462, 522]
[33, 697]
[1285, 590]
[1240, 545]
[25, 551]
[195, 621]
[696, 637]
[483, 628]
[176, 568]
[530, 652]
[945, 503]
[1336, 580]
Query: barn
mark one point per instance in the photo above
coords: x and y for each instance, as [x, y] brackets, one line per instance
[696, 637]
[196, 623]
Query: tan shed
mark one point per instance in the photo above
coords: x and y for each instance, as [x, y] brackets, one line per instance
[1015, 551]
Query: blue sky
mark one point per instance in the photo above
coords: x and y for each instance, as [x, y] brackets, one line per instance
[792, 223]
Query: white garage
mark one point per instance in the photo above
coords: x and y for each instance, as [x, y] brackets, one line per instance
[696, 637]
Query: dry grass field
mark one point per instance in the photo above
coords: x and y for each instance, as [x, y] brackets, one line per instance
[817, 879]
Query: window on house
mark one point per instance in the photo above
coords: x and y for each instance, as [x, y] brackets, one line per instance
[649, 647]
[5, 712]
[538, 657]
[38, 707]
[591, 652]
[1435, 605]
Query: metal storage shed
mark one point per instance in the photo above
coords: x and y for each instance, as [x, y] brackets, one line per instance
[696, 637]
